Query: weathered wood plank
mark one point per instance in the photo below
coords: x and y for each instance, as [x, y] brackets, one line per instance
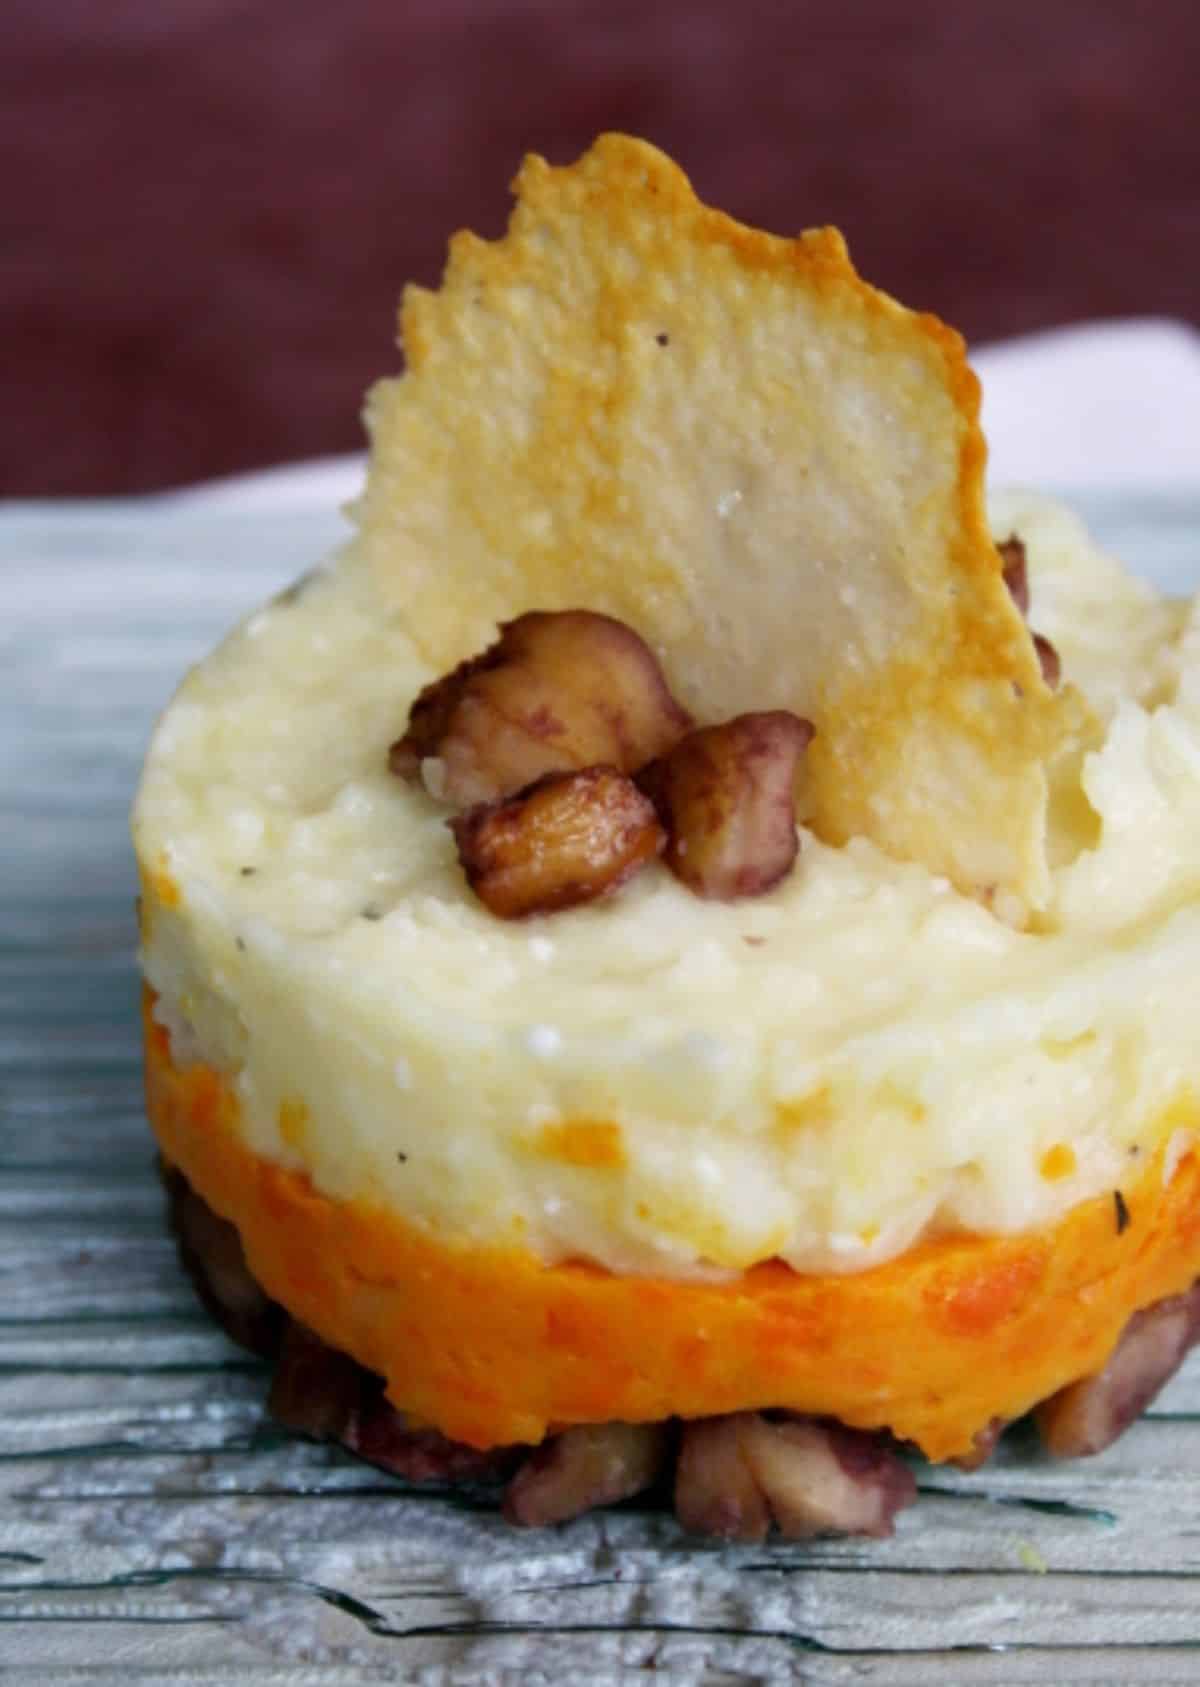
[154, 1527]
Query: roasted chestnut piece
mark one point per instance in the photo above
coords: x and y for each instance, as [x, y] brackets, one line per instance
[726, 795]
[558, 691]
[565, 839]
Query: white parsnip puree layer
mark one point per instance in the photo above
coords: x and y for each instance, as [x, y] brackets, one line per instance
[657, 1083]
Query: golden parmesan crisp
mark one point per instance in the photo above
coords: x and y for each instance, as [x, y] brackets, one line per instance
[632, 403]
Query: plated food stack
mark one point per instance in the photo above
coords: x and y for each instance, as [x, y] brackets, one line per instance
[655, 973]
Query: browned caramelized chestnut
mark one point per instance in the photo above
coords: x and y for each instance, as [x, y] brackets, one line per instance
[726, 795]
[1049, 660]
[1016, 576]
[737, 1475]
[565, 839]
[1089, 1415]
[590, 1465]
[558, 691]
[429, 719]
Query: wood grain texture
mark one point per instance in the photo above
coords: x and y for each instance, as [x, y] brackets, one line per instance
[155, 1527]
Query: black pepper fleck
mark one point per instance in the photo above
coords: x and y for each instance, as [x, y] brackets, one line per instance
[403, 1158]
[663, 339]
[1122, 1211]
[371, 912]
[241, 943]
[249, 872]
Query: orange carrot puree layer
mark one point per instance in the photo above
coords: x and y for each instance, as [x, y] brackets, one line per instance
[492, 1346]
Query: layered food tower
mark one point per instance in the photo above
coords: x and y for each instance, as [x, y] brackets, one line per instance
[657, 975]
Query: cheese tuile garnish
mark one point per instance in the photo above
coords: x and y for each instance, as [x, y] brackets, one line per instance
[773, 472]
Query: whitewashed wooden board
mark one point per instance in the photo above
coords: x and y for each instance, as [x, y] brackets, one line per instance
[154, 1527]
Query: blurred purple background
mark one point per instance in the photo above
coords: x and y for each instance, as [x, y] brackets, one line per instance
[212, 205]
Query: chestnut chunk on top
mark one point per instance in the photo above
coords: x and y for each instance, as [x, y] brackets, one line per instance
[565, 839]
[726, 795]
[555, 693]
[1016, 578]
[574, 766]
